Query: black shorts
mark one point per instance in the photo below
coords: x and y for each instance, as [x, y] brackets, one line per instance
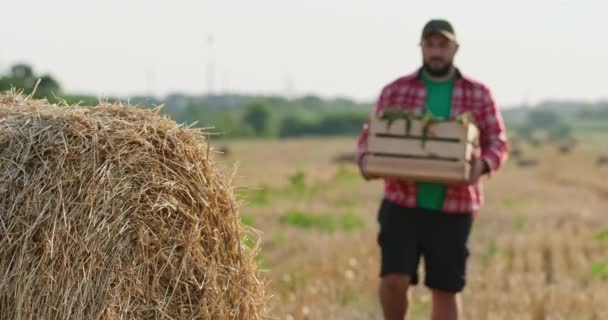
[406, 234]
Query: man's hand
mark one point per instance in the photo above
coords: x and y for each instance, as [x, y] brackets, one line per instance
[478, 169]
[367, 176]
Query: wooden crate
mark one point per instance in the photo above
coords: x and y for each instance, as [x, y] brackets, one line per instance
[443, 157]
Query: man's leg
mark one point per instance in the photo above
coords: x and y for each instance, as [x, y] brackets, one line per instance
[445, 253]
[393, 296]
[400, 254]
[446, 305]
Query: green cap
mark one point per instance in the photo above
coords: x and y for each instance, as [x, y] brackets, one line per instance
[439, 26]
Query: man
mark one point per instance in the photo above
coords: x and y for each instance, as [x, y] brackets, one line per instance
[432, 220]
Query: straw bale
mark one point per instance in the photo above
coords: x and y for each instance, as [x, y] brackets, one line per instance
[117, 212]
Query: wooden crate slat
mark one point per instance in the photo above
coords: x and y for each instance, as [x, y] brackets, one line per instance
[414, 147]
[418, 170]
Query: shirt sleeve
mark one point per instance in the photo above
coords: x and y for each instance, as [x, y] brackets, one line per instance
[493, 135]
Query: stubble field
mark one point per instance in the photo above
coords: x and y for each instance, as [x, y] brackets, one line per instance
[539, 247]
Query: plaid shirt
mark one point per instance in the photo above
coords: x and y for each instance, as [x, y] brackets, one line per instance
[409, 92]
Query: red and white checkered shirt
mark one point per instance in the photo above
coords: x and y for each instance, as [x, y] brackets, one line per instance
[409, 92]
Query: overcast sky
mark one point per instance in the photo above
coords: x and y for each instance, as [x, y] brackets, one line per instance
[524, 50]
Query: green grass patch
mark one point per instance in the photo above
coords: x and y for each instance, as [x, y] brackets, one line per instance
[519, 223]
[297, 182]
[346, 297]
[420, 306]
[321, 221]
[248, 220]
[602, 235]
[350, 222]
[304, 220]
[346, 176]
[294, 279]
[515, 202]
[248, 243]
[262, 262]
[255, 196]
[279, 239]
[345, 202]
[317, 188]
[490, 253]
[599, 270]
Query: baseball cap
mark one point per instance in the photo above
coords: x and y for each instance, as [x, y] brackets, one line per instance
[439, 26]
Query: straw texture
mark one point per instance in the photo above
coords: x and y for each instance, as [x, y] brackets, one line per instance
[116, 212]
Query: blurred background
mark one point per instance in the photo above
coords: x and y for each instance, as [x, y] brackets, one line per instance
[278, 69]
[263, 73]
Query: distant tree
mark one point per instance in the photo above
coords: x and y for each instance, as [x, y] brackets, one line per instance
[5, 84]
[548, 123]
[310, 101]
[341, 123]
[295, 126]
[601, 111]
[561, 132]
[195, 112]
[227, 126]
[524, 131]
[22, 72]
[258, 117]
[22, 77]
[543, 119]
[275, 101]
[47, 88]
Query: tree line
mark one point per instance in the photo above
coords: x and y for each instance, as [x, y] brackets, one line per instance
[242, 116]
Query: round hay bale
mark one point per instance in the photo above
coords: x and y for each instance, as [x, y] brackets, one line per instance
[116, 212]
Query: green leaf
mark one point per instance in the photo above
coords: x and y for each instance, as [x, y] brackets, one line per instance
[407, 116]
[463, 119]
[390, 115]
[427, 120]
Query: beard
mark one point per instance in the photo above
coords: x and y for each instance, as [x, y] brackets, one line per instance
[438, 71]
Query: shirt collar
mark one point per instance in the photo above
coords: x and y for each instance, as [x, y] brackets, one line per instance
[457, 76]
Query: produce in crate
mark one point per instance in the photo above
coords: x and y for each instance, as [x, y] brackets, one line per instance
[420, 148]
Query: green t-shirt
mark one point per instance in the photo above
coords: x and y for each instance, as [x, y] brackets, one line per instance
[439, 103]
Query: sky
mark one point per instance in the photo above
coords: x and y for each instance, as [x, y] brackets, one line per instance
[525, 51]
